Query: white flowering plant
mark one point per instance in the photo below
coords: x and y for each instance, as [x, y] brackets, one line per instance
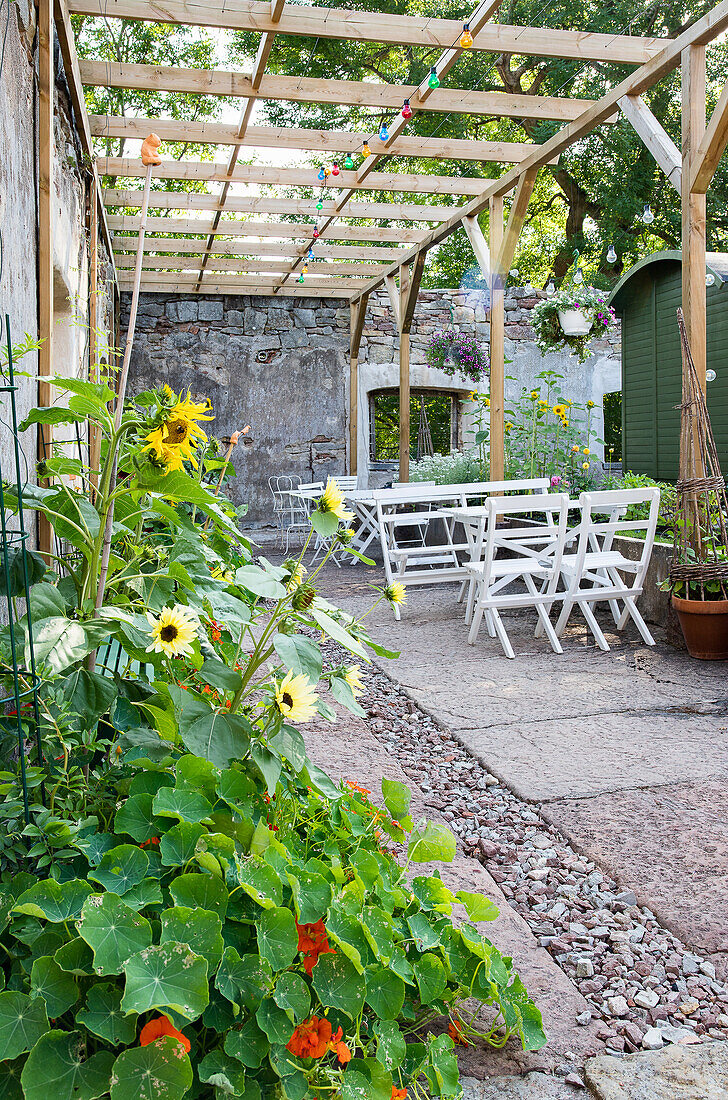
[550, 336]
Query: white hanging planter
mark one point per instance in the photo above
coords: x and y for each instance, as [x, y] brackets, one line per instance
[574, 322]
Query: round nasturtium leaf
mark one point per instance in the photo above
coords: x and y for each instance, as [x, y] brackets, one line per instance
[391, 1045]
[160, 1071]
[178, 845]
[113, 930]
[57, 988]
[103, 1016]
[167, 976]
[225, 1073]
[338, 984]
[121, 868]
[54, 901]
[57, 1067]
[431, 977]
[137, 820]
[385, 993]
[199, 928]
[277, 937]
[10, 1087]
[292, 994]
[183, 804]
[200, 891]
[22, 1022]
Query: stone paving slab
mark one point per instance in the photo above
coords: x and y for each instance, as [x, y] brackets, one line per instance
[572, 757]
[349, 750]
[684, 881]
[675, 1073]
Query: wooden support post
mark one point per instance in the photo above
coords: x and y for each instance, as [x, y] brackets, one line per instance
[404, 379]
[46, 193]
[693, 208]
[358, 313]
[497, 348]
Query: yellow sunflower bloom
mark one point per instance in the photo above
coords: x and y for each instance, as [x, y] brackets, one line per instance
[174, 441]
[295, 698]
[296, 572]
[535, 395]
[222, 574]
[544, 404]
[332, 500]
[354, 680]
[559, 410]
[173, 632]
[486, 402]
[586, 451]
[590, 404]
[585, 465]
[395, 593]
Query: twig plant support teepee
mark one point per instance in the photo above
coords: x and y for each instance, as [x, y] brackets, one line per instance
[699, 568]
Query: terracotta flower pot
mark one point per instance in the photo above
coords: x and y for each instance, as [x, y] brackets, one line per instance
[575, 322]
[704, 625]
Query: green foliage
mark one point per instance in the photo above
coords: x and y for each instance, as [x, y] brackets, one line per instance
[591, 303]
[197, 897]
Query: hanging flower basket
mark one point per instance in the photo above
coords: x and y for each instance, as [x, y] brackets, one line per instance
[457, 353]
[571, 319]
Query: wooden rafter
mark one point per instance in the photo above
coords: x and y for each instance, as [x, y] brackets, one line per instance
[372, 26]
[332, 142]
[294, 89]
[238, 284]
[516, 217]
[125, 260]
[478, 243]
[188, 246]
[230, 227]
[131, 168]
[193, 200]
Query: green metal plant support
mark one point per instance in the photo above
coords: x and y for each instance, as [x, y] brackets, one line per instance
[14, 550]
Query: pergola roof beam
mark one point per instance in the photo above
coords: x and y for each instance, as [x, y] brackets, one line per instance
[125, 260]
[294, 89]
[230, 227]
[332, 142]
[256, 204]
[372, 26]
[130, 168]
[161, 283]
[186, 246]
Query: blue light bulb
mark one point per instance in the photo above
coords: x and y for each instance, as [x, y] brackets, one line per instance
[384, 133]
[322, 174]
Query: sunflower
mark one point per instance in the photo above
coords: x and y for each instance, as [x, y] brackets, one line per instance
[332, 500]
[535, 394]
[559, 410]
[586, 451]
[395, 593]
[354, 680]
[295, 698]
[296, 572]
[173, 632]
[174, 441]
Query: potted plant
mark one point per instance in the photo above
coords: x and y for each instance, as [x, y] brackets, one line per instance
[702, 609]
[570, 318]
[455, 352]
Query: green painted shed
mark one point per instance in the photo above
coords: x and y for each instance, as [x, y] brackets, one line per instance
[646, 299]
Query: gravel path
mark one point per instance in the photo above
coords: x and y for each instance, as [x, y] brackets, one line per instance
[644, 987]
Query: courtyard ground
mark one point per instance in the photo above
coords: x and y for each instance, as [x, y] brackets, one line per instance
[588, 794]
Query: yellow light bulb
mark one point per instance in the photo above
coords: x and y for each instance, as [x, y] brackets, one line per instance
[466, 38]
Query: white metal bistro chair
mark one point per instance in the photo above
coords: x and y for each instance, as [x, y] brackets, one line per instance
[536, 557]
[595, 572]
[285, 506]
[301, 497]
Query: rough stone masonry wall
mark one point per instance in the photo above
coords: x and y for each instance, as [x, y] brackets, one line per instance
[278, 364]
[282, 366]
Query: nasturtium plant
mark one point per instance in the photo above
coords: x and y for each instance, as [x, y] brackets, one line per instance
[192, 908]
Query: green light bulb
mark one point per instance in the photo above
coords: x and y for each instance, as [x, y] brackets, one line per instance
[348, 162]
[434, 80]
[319, 206]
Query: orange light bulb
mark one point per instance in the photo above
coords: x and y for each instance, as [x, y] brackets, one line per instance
[466, 38]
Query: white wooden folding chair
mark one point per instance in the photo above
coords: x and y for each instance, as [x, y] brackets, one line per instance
[595, 572]
[346, 481]
[530, 562]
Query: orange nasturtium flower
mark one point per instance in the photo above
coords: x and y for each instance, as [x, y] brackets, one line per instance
[455, 1031]
[339, 1047]
[311, 1038]
[312, 942]
[157, 1029]
[398, 1094]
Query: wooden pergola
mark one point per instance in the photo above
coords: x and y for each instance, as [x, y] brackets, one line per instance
[266, 257]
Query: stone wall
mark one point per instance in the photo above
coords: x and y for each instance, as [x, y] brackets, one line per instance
[282, 366]
[468, 311]
[278, 364]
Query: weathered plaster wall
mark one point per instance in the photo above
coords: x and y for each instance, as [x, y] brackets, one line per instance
[19, 224]
[282, 366]
[278, 364]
